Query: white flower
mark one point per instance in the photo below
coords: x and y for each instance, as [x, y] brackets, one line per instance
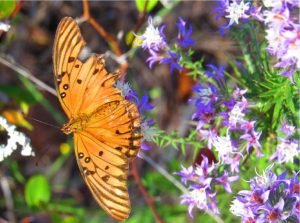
[236, 115]
[238, 208]
[200, 198]
[4, 26]
[223, 146]
[286, 151]
[266, 179]
[236, 11]
[153, 38]
[15, 139]
[148, 131]
[124, 88]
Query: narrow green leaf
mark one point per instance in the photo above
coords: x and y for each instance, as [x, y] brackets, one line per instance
[289, 99]
[277, 109]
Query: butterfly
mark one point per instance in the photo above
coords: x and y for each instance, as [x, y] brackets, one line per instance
[105, 125]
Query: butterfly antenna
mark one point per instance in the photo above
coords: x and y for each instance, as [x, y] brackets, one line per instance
[45, 123]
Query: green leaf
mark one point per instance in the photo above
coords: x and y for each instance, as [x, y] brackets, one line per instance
[18, 94]
[37, 191]
[141, 5]
[289, 100]
[6, 8]
[16, 172]
[129, 37]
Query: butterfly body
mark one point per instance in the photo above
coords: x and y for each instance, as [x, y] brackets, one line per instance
[106, 126]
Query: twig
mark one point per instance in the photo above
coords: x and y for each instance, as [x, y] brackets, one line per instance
[172, 179]
[109, 38]
[144, 192]
[23, 71]
[8, 199]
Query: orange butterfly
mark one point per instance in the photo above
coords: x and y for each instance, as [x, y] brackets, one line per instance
[106, 126]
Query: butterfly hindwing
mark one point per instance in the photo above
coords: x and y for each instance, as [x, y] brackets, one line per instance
[105, 173]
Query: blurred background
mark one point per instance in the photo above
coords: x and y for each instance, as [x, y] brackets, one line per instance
[48, 187]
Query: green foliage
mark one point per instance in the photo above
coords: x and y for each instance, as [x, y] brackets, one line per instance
[6, 8]
[145, 5]
[275, 96]
[37, 191]
[18, 94]
[164, 139]
[195, 68]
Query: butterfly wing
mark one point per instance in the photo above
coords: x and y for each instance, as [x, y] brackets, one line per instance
[110, 135]
[103, 150]
[67, 46]
[106, 179]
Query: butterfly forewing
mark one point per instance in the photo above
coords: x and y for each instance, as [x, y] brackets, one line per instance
[67, 46]
[107, 132]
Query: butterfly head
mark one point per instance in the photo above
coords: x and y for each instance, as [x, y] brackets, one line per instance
[67, 129]
[75, 124]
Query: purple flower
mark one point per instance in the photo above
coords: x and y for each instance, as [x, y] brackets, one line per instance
[253, 141]
[222, 5]
[210, 135]
[274, 214]
[186, 174]
[184, 32]
[154, 57]
[207, 95]
[173, 61]
[234, 163]
[203, 116]
[143, 104]
[202, 198]
[238, 93]
[214, 72]
[283, 36]
[202, 171]
[286, 151]
[247, 126]
[271, 199]
[287, 129]
[204, 101]
[225, 181]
